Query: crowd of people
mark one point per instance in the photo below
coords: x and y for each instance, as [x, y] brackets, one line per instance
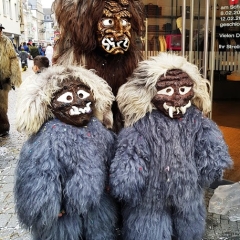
[31, 50]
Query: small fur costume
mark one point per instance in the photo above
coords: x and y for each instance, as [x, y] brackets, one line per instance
[10, 75]
[162, 164]
[78, 43]
[63, 169]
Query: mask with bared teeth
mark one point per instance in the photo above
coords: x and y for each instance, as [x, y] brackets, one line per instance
[74, 103]
[114, 27]
[174, 93]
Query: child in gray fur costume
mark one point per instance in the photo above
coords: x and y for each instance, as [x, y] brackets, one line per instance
[61, 176]
[168, 151]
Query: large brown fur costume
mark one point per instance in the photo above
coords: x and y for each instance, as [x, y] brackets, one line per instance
[10, 75]
[77, 21]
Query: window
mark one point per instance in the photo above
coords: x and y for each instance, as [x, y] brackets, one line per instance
[17, 14]
[4, 7]
[10, 8]
[7, 7]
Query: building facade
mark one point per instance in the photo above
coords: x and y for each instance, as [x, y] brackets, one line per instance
[38, 15]
[48, 25]
[26, 21]
[10, 17]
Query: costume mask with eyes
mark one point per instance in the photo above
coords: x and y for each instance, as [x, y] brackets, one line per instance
[174, 93]
[114, 28]
[73, 104]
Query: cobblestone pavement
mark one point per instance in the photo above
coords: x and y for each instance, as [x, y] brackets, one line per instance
[218, 227]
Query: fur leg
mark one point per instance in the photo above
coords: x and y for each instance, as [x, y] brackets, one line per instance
[4, 123]
[66, 228]
[100, 221]
[189, 223]
[141, 224]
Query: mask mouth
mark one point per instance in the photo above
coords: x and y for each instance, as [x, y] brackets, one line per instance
[110, 45]
[77, 111]
[176, 110]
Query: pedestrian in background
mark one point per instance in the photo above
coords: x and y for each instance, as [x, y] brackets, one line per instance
[29, 44]
[43, 49]
[40, 63]
[15, 46]
[25, 46]
[10, 77]
[34, 51]
[20, 47]
[40, 50]
[23, 55]
[49, 53]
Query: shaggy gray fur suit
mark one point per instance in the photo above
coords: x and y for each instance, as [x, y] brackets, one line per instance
[63, 167]
[160, 170]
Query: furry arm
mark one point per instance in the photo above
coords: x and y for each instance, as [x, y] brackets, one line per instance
[16, 79]
[211, 153]
[9, 63]
[37, 187]
[129, 168]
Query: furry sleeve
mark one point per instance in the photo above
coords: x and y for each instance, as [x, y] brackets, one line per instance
[15, 77]
[129, 168]
[211, 153]
[37, 188]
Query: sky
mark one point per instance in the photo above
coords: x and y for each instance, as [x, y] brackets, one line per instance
[47, 3]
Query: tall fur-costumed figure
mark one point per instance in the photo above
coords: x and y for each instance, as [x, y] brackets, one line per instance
[100, 35]
[10, 76]
[168, 152]
[61, 176]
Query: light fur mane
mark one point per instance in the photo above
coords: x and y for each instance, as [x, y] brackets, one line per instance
[134, 97]
[35, 96]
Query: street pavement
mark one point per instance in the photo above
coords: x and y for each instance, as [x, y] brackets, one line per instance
[218, 227]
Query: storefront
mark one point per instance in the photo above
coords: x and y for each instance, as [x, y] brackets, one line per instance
[208, 33]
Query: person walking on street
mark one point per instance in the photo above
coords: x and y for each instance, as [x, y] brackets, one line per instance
[34, 51]
[49, 53]
[26, 48]
[40, 50]
[20, 47]
[24, 59]
[10, 77]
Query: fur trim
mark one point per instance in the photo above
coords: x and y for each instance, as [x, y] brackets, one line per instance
[134, 97]
[33, 104]
[9, 63]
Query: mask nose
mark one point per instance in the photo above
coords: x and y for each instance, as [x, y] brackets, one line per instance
[118, 28]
